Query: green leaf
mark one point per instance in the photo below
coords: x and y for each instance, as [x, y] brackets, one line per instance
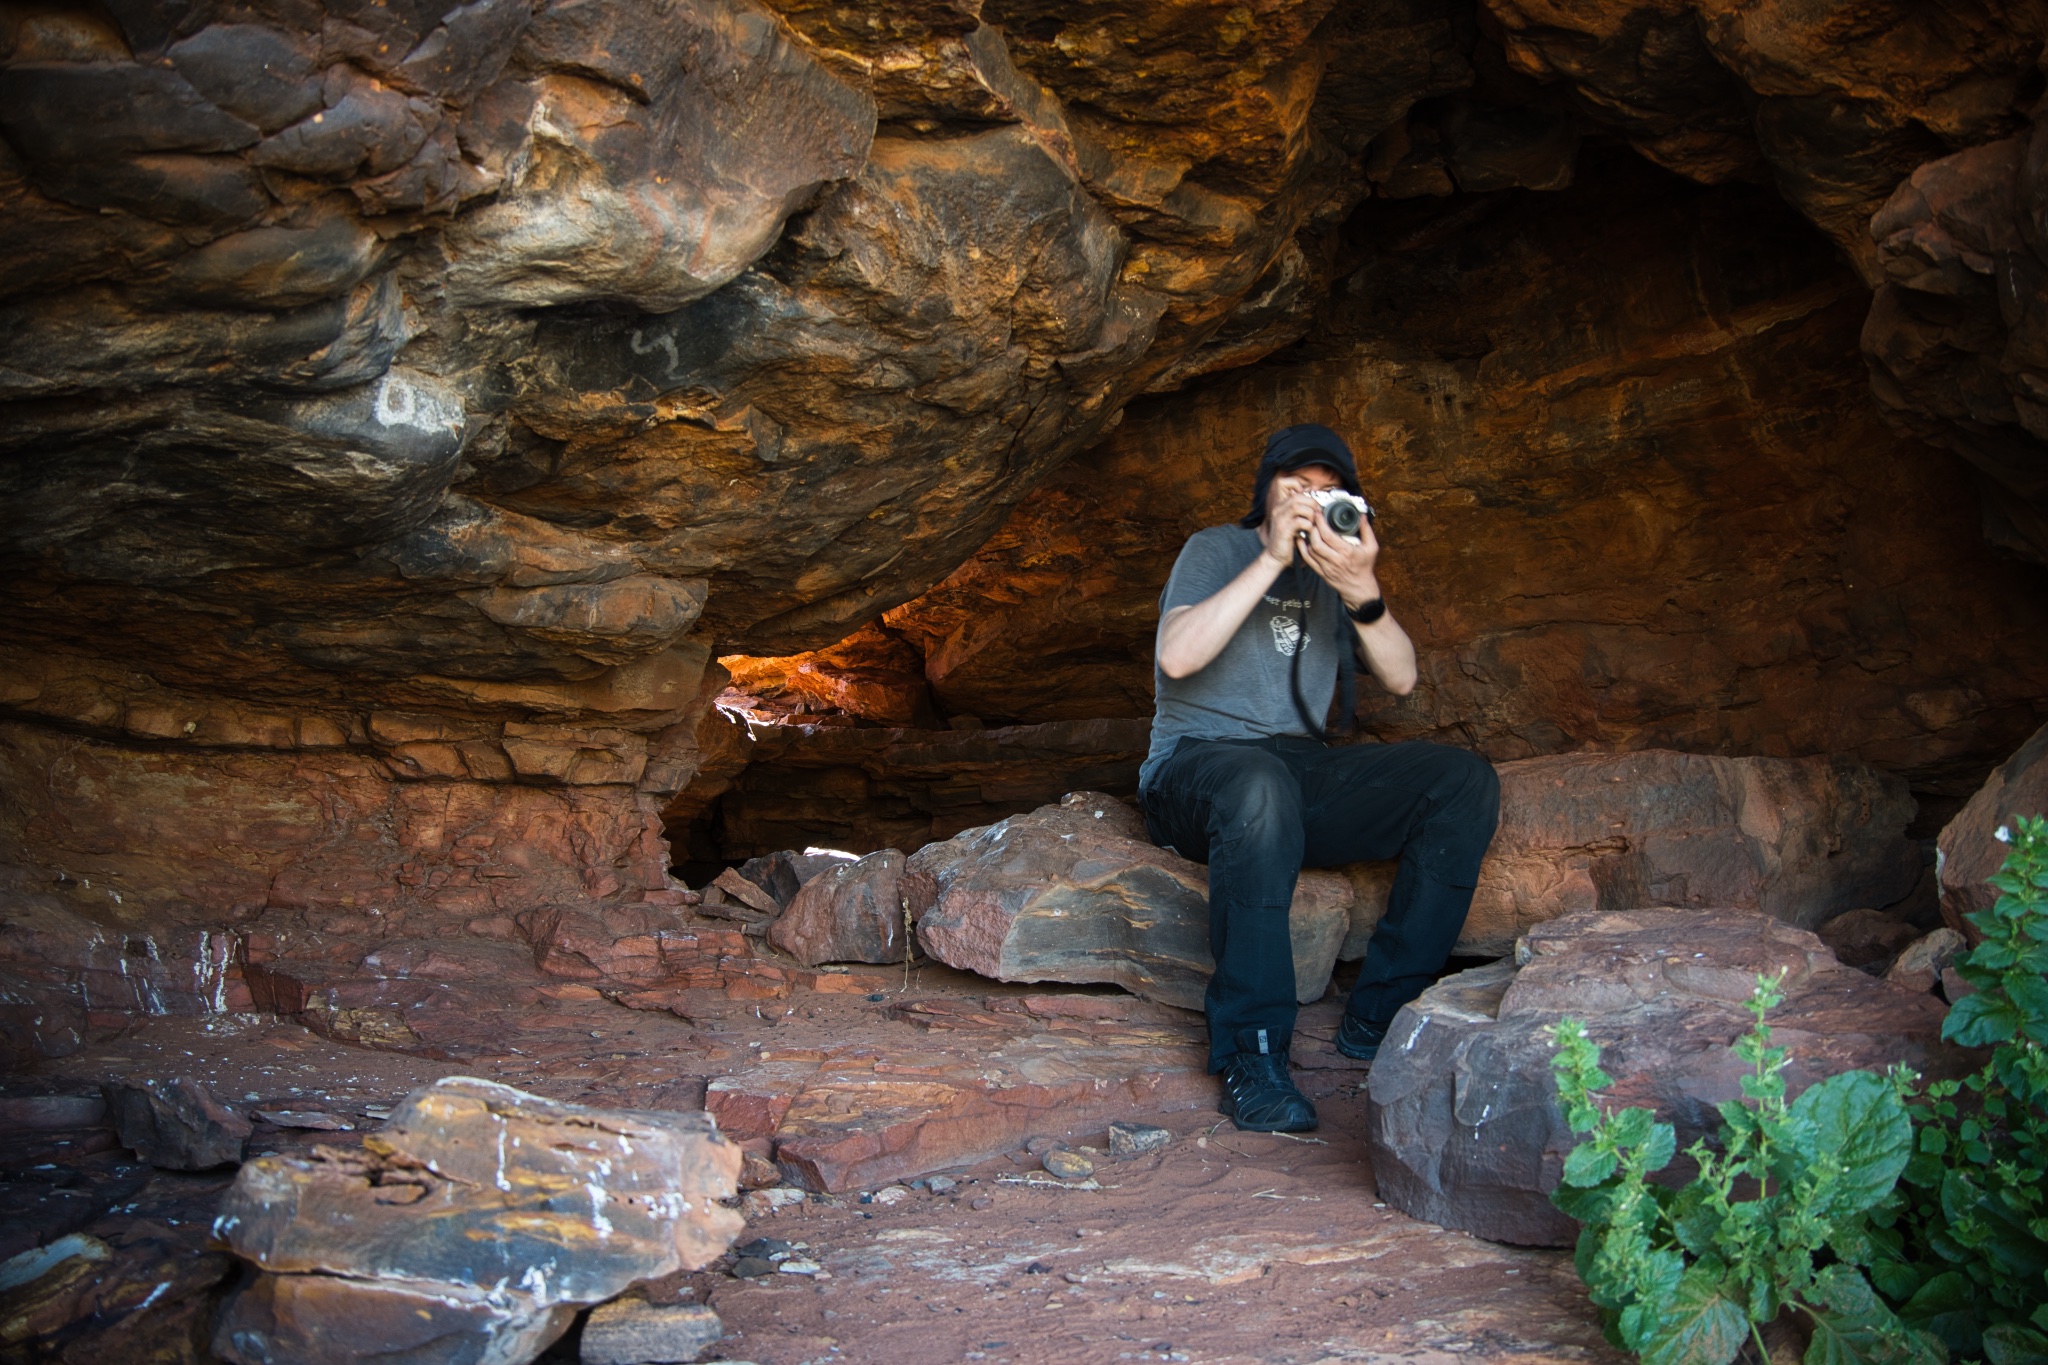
[1946, 1306]
[1698, 1325]
[1632, 1127]
[1980, 1020]
[2011, 1344]
[1695, 1226]
[1844, 1339]
[1588, 1165]
[1851, 1327]
[1858, 1120]
[1588, 1206]
[2029, 992]
[1661, 1148]
[1895, 1279]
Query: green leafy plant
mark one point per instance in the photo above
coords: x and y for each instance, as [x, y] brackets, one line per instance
[1777, 1224]
[1968, 1260]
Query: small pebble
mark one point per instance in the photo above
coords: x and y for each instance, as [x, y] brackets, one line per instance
[981, 1205]
[1068, 1165]
[1135, 1139]
[751, 1267]
[942, 1184]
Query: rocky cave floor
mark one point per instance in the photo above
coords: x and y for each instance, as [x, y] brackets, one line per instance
[1222, 1246]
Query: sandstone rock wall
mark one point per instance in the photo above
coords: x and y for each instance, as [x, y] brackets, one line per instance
[1957, 336]
[399, 403]
[1633, 494]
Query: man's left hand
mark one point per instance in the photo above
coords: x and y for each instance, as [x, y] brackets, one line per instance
[1346, 566]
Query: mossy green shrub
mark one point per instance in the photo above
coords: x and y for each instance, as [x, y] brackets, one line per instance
[1968, 1257]
[1893, 1226]
[1781, 1217]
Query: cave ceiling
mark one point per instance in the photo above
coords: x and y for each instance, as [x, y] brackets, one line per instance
[507, 361]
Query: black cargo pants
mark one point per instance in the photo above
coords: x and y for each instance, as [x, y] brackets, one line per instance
[1258, 811]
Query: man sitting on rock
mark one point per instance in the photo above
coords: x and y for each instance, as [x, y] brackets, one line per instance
[1239, 775]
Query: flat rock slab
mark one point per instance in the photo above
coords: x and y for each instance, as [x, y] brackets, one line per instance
[1800, 839]
[469, 1229]
[1463, 1124]
[987, 1079]
[1075, 892]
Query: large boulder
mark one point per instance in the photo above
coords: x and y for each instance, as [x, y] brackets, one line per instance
[1800, 839]
[1075, 892]
[1970, 851]
[469, 1229]
[1463, 1125]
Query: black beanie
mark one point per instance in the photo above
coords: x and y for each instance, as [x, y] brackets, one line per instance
[1289, 449]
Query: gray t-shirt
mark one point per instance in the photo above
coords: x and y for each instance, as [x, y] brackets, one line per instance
[1245, 692]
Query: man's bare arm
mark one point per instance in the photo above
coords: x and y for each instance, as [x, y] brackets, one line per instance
[1389, 654]
[1190, 637]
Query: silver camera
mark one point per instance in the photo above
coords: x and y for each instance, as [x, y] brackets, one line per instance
[1345, 512]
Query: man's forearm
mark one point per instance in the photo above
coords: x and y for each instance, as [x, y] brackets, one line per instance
[1190, 638]
[1388, 653]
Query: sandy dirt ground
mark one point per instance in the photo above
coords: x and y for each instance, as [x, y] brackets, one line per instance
[1222, 1247]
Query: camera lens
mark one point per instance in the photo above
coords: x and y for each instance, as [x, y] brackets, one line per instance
[1342, 514]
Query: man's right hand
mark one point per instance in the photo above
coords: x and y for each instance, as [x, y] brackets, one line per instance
[1288, 517]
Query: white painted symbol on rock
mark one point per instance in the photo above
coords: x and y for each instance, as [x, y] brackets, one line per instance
[664, 343]
[399, 403]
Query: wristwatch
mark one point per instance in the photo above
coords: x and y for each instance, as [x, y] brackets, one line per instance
[1365, 613]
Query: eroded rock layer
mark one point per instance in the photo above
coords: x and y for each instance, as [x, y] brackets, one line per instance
[403, 402]
[1632, 490]
[402, 406]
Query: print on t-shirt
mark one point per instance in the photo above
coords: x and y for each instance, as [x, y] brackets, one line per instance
[1287, 636]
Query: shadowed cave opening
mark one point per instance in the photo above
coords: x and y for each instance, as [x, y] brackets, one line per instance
[1766, 564]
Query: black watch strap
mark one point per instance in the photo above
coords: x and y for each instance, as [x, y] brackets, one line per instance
[1365, 613]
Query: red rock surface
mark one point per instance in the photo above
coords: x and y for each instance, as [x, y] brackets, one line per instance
[855, 1117]
[403, 406]
[481, 372]
[1224, 1246]
[1834, 105]
[1464, 1127]
[1801, 840]
[1956, 342]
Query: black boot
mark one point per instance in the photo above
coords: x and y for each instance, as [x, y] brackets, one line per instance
[1360, 1038]
[1259, 1098]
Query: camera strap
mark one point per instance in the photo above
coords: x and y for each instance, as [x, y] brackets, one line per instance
[1347, 659]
